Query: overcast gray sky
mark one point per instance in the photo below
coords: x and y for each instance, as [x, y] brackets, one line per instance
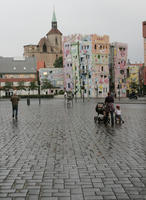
[24, 22]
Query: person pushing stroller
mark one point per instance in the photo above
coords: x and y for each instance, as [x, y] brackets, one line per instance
[109, 108]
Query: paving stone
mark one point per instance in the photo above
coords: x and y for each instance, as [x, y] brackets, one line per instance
[57, 153]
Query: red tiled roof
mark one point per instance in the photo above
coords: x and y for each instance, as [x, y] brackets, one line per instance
[54, 31]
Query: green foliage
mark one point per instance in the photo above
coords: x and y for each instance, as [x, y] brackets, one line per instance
[8, 86]
[61, 92]
[58, 62]
[33, 96]
[21, 86]
[134, 86]
[33, 86]
[46, 84]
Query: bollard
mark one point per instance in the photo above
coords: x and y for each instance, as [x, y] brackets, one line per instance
[28, 101]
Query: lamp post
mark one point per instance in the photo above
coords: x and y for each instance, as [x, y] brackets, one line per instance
[119, 87]
[39, 86]
[85, 74]
[83, 84]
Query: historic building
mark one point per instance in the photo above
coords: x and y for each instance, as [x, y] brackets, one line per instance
[49, 48]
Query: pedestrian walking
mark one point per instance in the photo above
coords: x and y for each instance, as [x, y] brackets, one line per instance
[15, 99]
[109, 108]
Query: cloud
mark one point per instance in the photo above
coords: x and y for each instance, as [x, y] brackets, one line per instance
[26, 21]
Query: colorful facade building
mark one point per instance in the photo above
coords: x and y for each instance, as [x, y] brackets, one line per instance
[118, 68]
[100, 65]
[55, 76]
[67, 62]
[85, 56]
[86, 64]
[133, 77]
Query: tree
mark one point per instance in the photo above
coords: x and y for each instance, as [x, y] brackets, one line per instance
[21, 86]
[8, 86]
[46, 84]
[33, 86]
[134, 86]
[58, 62]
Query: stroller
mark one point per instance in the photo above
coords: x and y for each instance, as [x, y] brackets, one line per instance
[69, 98]
[101, 113]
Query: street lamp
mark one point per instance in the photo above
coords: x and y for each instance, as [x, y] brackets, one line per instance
[39, 86]
[119, 87]
[85, 73]
[83, 84]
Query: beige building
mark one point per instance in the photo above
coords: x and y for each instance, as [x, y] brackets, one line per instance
[49, 48]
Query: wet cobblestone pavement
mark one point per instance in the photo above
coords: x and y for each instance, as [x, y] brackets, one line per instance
[57, 153]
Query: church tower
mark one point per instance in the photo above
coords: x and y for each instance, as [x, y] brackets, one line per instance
[54, 35]
[49, 48]
[54, 21]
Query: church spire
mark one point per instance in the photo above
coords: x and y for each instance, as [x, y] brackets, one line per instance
[54, 21]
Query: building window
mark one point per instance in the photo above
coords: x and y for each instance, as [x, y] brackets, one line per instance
[102, 68]
[68, 85]
[95, 46]
[128, 73]
[98, 56]
[56, 41]
[44, 48]
[122, 72]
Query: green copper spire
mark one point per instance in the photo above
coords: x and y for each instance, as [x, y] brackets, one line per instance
[54, 21]
[54, 17]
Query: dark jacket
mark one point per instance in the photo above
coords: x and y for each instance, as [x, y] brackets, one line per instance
[109, 99]
[15, 100]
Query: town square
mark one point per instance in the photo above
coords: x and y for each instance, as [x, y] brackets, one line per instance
[73, 100]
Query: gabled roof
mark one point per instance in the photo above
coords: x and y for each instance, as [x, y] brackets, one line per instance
[10, 65]
[43, 41]
[54, 31]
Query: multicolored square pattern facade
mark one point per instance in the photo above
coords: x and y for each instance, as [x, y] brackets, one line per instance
[86, 59]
